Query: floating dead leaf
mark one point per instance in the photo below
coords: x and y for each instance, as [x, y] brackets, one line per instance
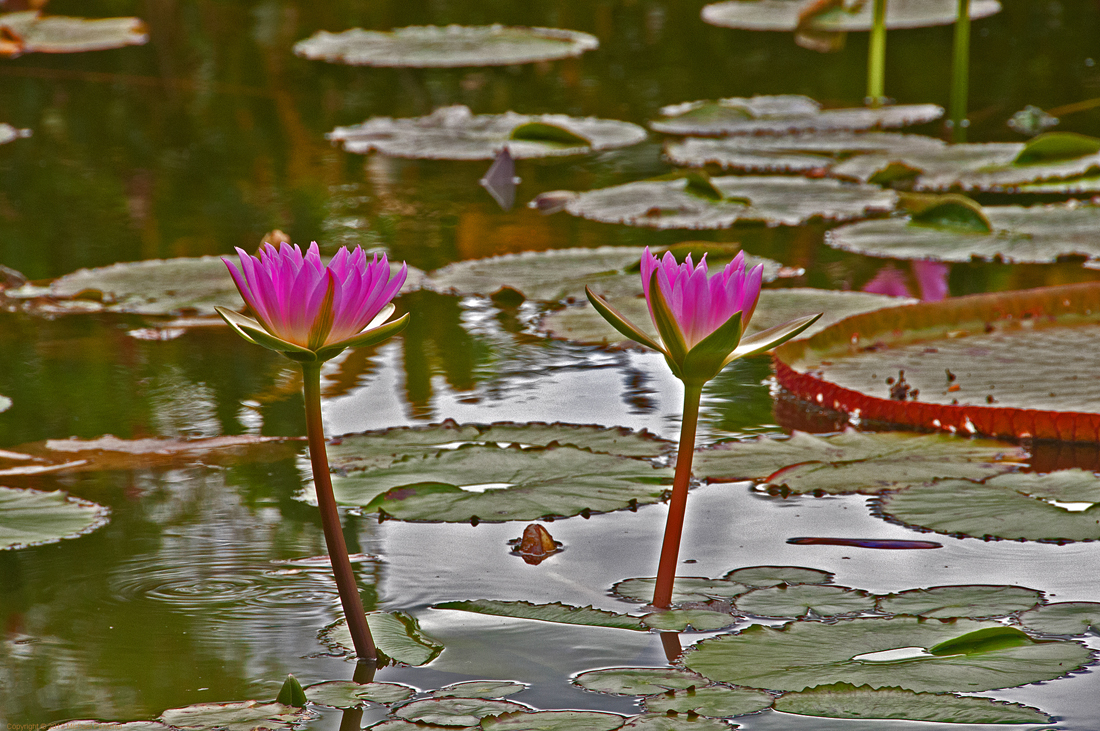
[29, 31]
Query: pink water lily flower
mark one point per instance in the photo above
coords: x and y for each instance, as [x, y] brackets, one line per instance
[310, 311]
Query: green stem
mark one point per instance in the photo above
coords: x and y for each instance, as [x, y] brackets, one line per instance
[677, 506]
[960, 73]
[330, 518]
[876, 57]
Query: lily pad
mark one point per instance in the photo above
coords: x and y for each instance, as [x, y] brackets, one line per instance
[775, 307]
[638, 681]
[240, 716]
[678, 620]
[685, 589]
[93, 725]
[662, 722]
[807, 654]
[975, 601]
[854, 461]
[554, 721]
[782, 115]
[780, 15]
[802, 599]
[844, 700]
[455, 133]
[455, 711]
[348, 694]
[556, 612]
[29, 31]
[715, 701]
[479, 689]
[775, 200]
[1058, 507]
[1038, 234]
[757, 576]
[396, 634]
[35, 518]
[430, 46]
[1064, 618]
[496, 484]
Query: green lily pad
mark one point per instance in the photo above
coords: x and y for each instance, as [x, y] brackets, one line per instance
[496, 484]
[1057, 507]
[37, 33]
[488, 689]
[678, 620]
[662, 722]
[348, 694]
[1038, 234]
[429, 46]
[807, 654]
[806, 154]
[396, 634]
[1063, 618]
[781, 115]
[943, 602]
[554, 721]
[34, 518]
[802, 599]
[844, 700]
[775, 307]
[685, 589]
[240, 716]
[775, 200]
[854, 462]
[1056, 146]
[638, 681]
[783, 15]
[982, 641]
[1084, 184]
[757, 576]
[375, 449]
[714, 701]
[556, 612]
[396, 724]
[455, 133]
[455, 711]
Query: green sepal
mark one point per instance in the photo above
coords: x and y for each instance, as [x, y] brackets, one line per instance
[254, 332]
[771, 338]
[292, 694]
[371, 336]
[989, 639]
[675, 346]
[620, 323]
[709, 355]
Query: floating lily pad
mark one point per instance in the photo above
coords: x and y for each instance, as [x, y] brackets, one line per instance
[396, 634]
[678, 620]
[1037, 234]
[396, 724]
[943, 602]
[496, 484]
[556, 612]
[775, 200]
[348, 694]
[455, 711]
[685, 589]
[1064, 618]
[1058, 507]
[240, 716]
[807, 654]
[29, 31]
[638, 681]
[554, 721]
[775, 307]
[92, 725]
[714, 701]
[844, 700]
[455, 133]
[854, 461]
[430, 46]
[34, 518]
[774, 575]
[480, 689]
[780, 15]
[802, 599]
[662, 722]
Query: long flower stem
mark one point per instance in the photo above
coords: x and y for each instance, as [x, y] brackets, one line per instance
[876, 56]
[330, 518]
[674, 525]
[960, 69]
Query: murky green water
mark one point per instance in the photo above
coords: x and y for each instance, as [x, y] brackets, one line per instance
[212, 135]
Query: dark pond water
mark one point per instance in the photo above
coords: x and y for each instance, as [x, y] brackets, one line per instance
[212, 135]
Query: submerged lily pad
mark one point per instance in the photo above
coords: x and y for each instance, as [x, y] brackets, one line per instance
[240, 716]
[554, 721]
[29, 31]
[854, 461]
[975, 601]
[1057, 507]
[556, 612]
[802, 599]
[757, 576]
[430, 46]
[780, 15]
[685, 589]
[844, 700]
[1064, 618]
[396, 634]
[678, 620]
[775, 200]
[715, 701]
[455, 133]
[34, 518]
[479, 689]
[638, 681]
[455, 711]
[807, 654]
[349, 694]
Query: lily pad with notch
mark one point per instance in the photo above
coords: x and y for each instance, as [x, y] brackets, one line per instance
[349, 694]
[487, 689]
[714, 701]
[686, 589]
[1063, 618]
[759, 576]
[800, 600]
[679, 620]
[785, 15]
[237, 716]
[639, 681]
[455, 711]
[397, 635]
[35, 518]
[29, 31]
[974, 601]
[555, 612]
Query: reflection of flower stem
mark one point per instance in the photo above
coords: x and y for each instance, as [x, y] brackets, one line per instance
[330, 517]
[959, 73]
[670, 643]
[352, 719]
[674, 525]
[876, 57]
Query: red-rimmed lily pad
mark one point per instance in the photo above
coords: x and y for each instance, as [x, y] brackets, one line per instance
[1063, 618]
[714, 701]
[455, 711]
[664, 722]
[556, 612]
[480, 689]
[431, 46]
[554, 721]
[349, 694]
[802, 599]
[1009, 364]
[685, 589]
[456, 133]
[780, 15]
[973, 601]
[774, 200]
[638, 681]
[238, 716]
[29, 31]
[757, 576]
[33, 518]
